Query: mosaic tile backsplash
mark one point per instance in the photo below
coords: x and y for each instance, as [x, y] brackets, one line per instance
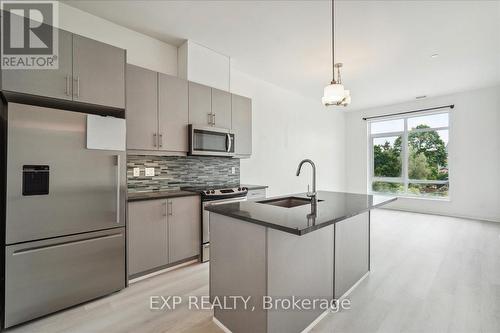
[173, 172]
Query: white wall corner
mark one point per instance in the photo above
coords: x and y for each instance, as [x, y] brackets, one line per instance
[182, 61]
[142, 50]
[203, 65]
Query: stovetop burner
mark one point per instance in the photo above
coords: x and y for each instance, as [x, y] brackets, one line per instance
[218, 192]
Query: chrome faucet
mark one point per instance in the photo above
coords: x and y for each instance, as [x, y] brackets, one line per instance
[313, 193]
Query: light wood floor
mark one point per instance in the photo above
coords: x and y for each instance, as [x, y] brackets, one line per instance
[429, 274]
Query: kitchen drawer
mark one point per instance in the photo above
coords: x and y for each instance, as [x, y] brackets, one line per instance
[256, 194]
[46, 276]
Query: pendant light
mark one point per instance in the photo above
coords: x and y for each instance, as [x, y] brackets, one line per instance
[335, 93]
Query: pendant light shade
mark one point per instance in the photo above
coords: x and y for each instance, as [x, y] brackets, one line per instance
[334, 93]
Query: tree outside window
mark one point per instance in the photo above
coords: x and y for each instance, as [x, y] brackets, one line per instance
[411, 160]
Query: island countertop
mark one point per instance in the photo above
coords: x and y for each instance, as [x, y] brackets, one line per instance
[331, 207]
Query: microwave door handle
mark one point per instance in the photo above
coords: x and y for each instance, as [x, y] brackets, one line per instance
[229, 143]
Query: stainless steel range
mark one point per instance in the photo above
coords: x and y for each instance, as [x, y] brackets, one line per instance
[213, 196]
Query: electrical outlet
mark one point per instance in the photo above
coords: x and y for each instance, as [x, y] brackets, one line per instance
[233, 170]
[150, 172]
[137, 172]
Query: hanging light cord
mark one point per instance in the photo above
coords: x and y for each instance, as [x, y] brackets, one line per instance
[333, 41]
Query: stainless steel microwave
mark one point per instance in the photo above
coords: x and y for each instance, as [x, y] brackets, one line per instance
[211, 141]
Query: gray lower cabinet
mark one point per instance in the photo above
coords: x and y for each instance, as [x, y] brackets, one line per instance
[55, 83]
[147, 235]
[183, 228]
[200, 104]
[172, 113]
[162, 232]
[221, 108]
[98, 73]
[142, 108]
[242, 124]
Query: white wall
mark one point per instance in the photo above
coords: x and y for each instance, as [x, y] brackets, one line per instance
[286, 126]
[474, 154]
[200, 64]
[286, 129]
[142, 50]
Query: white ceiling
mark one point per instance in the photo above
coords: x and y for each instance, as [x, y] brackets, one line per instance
[386, 46]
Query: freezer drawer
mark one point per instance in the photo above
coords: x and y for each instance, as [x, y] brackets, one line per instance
[46, 276]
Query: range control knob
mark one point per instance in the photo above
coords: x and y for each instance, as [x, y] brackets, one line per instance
[213, 192]
[208, 192]
[244, 188]
[239, 188]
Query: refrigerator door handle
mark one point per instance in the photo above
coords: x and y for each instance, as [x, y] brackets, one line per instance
[63, 244]
[118, 168]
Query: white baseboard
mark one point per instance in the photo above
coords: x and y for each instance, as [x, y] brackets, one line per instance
[316, 321]
[353, 287]
[221, 325]
[326, 312]
[458, 216]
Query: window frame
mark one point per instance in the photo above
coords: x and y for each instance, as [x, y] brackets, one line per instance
[404, 179]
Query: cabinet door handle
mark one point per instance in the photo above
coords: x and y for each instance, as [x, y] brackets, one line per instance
[77, 86]
[67, 86]
[169, 209]
[154, 140]
[213, 120]
[165, 212]
[209, 118]
[160, 141]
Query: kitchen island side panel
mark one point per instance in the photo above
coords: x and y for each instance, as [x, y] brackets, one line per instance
[352, 252]
[238, 268]
[300, 266]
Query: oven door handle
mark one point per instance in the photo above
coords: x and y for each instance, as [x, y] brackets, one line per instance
[228, 142]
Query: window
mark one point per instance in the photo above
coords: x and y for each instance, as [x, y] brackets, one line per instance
[409, 156]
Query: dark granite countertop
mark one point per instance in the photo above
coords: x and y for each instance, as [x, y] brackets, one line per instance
[254, 187]
[138, 196]
[332, 207]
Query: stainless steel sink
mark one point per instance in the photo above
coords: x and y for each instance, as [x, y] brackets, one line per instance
[288, 202]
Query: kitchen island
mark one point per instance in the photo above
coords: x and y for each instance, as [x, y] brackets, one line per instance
[270, 253]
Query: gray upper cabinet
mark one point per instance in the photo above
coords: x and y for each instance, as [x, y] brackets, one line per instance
[157, 111]
[173, 113]
[221, 108]
[200, 104]
[147, 235]
[89, 71]
[242, 124]
[98, 73]
[183, 228]
[55, 83]
[142, 108]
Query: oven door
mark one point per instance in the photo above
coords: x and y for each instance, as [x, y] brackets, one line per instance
[205, 246]
[210, 141]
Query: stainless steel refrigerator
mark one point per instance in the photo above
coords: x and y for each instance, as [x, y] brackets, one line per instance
[64, 212]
